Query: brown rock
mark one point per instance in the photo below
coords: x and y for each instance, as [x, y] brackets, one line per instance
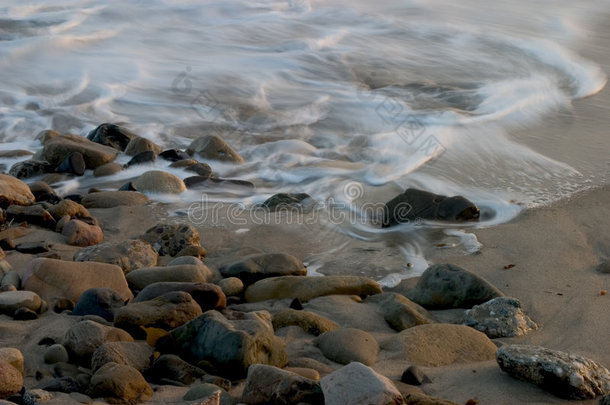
[119, 383]
[57, 148]
[79, 233]
[308, 321]
[111, 199]
[107, 169]
[207, 295]
[214, 148]
[68, 207]
[83, 339]
[139, 145]
[189, 273]
[14, 191]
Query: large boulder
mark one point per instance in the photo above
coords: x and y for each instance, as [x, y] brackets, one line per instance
[10, 301]
[14, 192]
[207, 295]
[306, 288]
[357, 384]
[400, 312]
[169, 239]
[101, 302]
[111, 199]
[256, 267]
[111, 135]
[119, 383]
[188, 273]
[213, 147]
[129, 255]
[566, 375]
[346, 345]
[443, 286]
[271, 385]
[418, 204]
[53, 279]
[138, 355]
[499, 317]
[57, 148]
[157, 181]
[230, 345]
[83, 339]
[310, 322]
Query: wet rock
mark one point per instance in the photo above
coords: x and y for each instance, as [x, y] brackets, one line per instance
[43, 192]
[435, 345]
[79, 233]
[256, 267]
[98, 301]
[184, 163]
[129, 255]
[69, 208]
[172, 367]
[141, 158]
[202, 169]
[111, 135]
[499, 317]
[30, 168]
[357, 384]
[308, 321]
[444, 286]
[231, 286]
[56, 353]
[24, 314]
[107, 170]
[400, 312]
[213, 147]
[138, 145]
[169, 239]
[306, 288]
[208, 296]
[346, 345]
[563, 374]
[174, 155]
[33, 214]
[14, 192]
[62, 384]
[13, 153]
[288, 201]
[73, 163]
[111, 199]
[57, 148]
[271, 385]
[413, 375]
[120, 383]
[10, 301]
[186, 273]
[83, 338]
[157, 181]
[129, 186]
[138, 355]
[53, 279]
[32, 248]
[418, 204]
[230, 345]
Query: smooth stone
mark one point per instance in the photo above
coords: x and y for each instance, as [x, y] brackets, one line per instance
[174, 155]
[169, 239]
[140, 278]
[129, 255]
[107, 170]
[57, 148]
[196, 251]
[111, 135]
[56, 353]
[207, 295]
[346, 345]
[305, 372]
[231, 286]
[310, 322]
[43, 192]
[69, 208]
[400, 312]
[257, 267]
[10, 301]
[11, 380]
[120, 382]
[14, 357]
[83, 338]
[33, 214]
[185, 260]
[288, 201]
[311, 364]
[79, 233]
[499, 317]
[183, 164]
[111, 199]
[138, 355]
[267, 384]
[73, 163]
[157, 181]
[30, 168]
[138, 145]
[206, 391]
[142, 158]
[213, 147]
[202, 169]
[98, 301]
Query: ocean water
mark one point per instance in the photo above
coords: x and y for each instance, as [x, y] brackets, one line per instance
[349, 101]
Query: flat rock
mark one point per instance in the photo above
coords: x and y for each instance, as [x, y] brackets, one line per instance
[138, 145]
[271, 385]
[169, 239]
[256, 267]
[111, 199]
[499, 317]
[80, 233]
[129, 255]
[120, 383]
[188, 273]
[53, 279]
[213, 147]
[138, 355]
[346, 345]
[101, 302]
[310, 322]
[565, 375]
[400, 312]
[112, 135]
[357, 384]
[56, 149]
[207, 295]
[306, 288]
[435, 345]
[14, 192]
[444, 286]
[157, 181]
[83, 338]
[10, 301]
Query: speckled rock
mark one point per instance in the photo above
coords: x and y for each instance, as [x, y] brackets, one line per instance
[169, 239]
[129, 255]
[83, 338]
[499, 317]
[138, 355]
[271, 385]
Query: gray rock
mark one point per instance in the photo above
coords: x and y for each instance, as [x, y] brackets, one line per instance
[120, 383]
[310, 322]
[347, 345]
[443, 286]
[271, 385]
[83, 338]
[157, 181]
[56, 353]
[98, 301]
[231, 286]
[213, 147]
[129, 255]
[138, 355]
[563, 374]
[604, 267]
[74, 163]
[357, 384]
[142, 158]
[207, 295]
[10, 301]
[605, 400]
[111, 135]
[256, 267]
[289, 202]
[187, 273]
[111, 199]
[202, 169]
[499, 317]
[169, 239]
[400, 312]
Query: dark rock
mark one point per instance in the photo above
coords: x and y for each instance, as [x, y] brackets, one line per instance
[24, 314]
[43, 192]
[195, 181]
[296, 304]
[287, 200]
[111, 135]
[418, 204]
[62, 384]
[174, 155]
[347, 345]
[83, 338]
[443, 286]
[256, 267]
[214, 148]
[174, 368]
[56, 354]
[207, 295]
[141, 158]
[604, 267]
[30, 168]
[7, 244]
[33, 214]
[74, 197]
[129, 186]
[271, 385]
[107, 170]
[32, 248]
[73, 163]
[414, 376]
[138, 145]
[98, 301]
[499, 317]
[202, 169]
[62, 304]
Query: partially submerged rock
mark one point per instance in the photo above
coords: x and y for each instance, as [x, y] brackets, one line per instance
[57, 148]
[157, 181]
[111, 135]
[213, 147]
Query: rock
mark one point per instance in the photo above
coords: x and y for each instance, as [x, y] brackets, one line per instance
[254, 268]
[604, 267]
[435, 345]
[120, 383]
[13, 153]
[98, 301]
[10, 301]
[172, 367]
[418, 204]
[111, 199]
[308, 321]
[346, 345]
[306, 288]
[271, 385]
[207, 295]
[56, 149]
[213, 147]
[605, 400]
[357, 384]
[169, 239]
[185, 260]
[138, 145]
[565, 375]
[288, 201]
[24, 314]
[84, 337]
[142, 158]
[400, 312]
[112, 135]
[11, 380]
[413, 375]
[202, 169]
[206, 391]
[174, 155]
[36, 395]
[33, 214]
[14, 357]
[167, 311]
[185, 163]
[309, 363]
[129, 186]
[30, 168]
[79, 233]
[32, 248]
[107, 170]
[62, 384]
[69, 208]
[231, 286]
[73, 163]
[53, 279]
[43, 192]
[138, 355]
[129, 255]
[188, 273]
[157, 181]
[499, 317]
[56, 353]
[230, 345]
[195, 251]
[443, 286]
